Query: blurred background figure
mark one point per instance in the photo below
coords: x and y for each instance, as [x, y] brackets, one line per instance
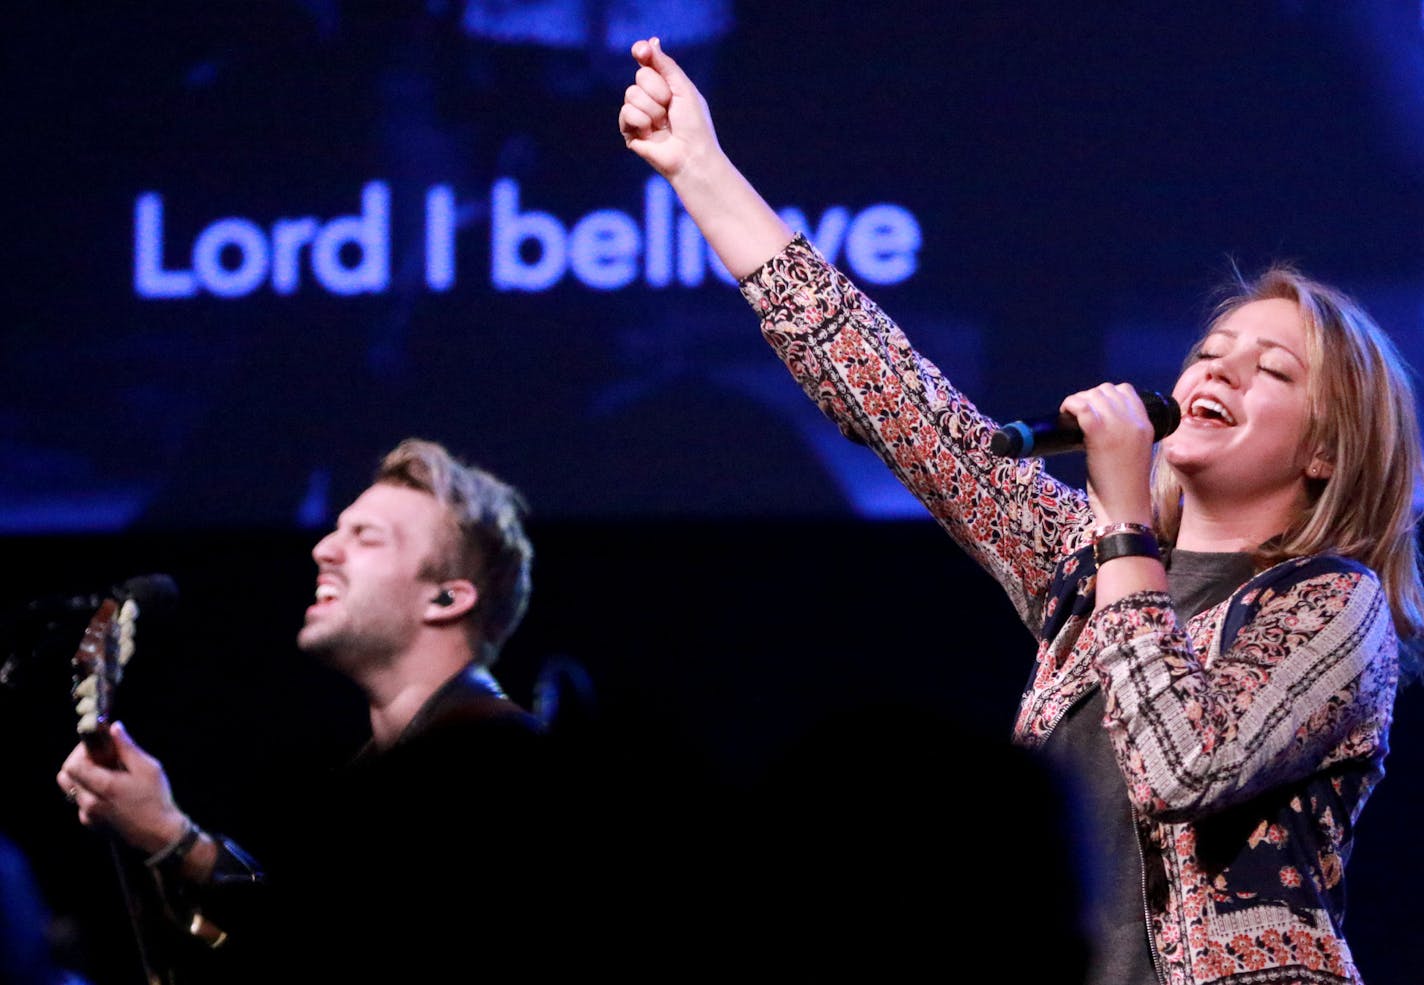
[33, 944]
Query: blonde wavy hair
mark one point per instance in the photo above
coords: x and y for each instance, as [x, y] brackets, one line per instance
[1363, 418]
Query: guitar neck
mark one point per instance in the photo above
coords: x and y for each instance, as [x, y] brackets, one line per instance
[99, 661]
[101, 747]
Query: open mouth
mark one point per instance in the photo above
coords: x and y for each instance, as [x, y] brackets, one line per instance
[1211, 411]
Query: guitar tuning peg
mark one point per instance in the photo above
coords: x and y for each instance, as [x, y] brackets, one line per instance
[126, 649]
[86, 688]
[88, 723]
[86, 706]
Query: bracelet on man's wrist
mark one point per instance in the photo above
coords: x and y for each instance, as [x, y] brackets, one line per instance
[172, 854]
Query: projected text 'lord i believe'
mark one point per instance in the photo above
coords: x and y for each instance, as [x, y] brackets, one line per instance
[529, 250]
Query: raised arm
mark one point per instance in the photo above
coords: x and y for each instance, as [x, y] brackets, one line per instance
[850, 358]
[664, 120]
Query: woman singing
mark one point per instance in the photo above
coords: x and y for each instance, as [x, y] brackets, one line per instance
[1219, 625]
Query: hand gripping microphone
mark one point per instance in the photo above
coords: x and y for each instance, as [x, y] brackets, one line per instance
[1058, 433]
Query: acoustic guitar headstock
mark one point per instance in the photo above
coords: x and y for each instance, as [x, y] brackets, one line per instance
[104, 651]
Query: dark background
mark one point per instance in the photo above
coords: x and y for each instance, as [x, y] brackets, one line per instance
[729, 571]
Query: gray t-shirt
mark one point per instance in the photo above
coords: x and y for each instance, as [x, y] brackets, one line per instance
[1110, 856]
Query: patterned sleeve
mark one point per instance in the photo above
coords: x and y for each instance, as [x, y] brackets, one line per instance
[1010, 515]
[1309, 681]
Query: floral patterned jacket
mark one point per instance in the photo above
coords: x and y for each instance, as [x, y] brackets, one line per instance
[1249, 738]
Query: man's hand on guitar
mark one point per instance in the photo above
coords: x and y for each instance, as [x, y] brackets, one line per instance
[135, 802]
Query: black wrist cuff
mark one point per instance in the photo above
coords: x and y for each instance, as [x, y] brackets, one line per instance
[1127, 543]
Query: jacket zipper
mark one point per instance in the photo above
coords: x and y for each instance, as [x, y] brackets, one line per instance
[1146, 911]
[1063, 713]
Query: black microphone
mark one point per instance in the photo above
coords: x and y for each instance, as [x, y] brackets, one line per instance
[156, 591]
[1058, 433]
[27, 626]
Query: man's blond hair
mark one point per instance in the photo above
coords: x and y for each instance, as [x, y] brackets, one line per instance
[486, 542]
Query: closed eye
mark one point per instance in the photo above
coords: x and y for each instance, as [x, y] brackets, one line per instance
[369, 536]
